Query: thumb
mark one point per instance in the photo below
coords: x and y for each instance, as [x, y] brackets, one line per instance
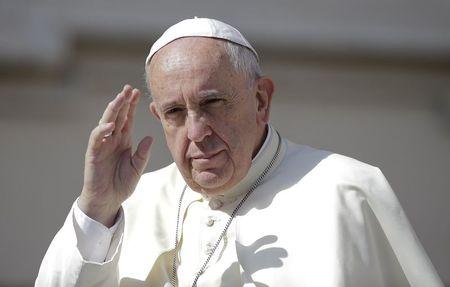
[142, 154]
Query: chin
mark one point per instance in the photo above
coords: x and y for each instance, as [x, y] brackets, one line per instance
[212, 181]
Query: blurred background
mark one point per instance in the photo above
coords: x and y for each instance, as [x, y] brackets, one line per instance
[365, 78]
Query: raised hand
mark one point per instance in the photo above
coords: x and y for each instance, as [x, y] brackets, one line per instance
[111, 170]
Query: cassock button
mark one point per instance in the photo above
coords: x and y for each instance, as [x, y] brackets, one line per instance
[210, 222]
[215, 204]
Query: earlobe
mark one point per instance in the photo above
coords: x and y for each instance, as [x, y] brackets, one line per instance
[154, 110]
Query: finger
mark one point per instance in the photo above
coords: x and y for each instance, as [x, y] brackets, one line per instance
[99, 134]
[122, 115]
[141, 155]
[113, 108]
[131, 111]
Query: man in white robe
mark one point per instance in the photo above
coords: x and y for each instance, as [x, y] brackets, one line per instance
[241, 206]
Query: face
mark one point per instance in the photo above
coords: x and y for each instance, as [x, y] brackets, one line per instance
[213, 119]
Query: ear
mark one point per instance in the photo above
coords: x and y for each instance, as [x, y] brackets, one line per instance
[264, 91]
[154, 111]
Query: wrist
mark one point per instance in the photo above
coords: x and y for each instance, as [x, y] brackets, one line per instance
[101, 212]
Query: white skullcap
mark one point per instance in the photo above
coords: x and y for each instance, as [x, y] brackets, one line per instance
[200, 27]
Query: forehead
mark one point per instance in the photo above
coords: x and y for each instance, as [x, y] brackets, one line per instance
[189, 51]
[192, 63]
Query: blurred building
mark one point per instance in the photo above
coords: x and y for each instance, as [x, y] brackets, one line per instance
[369, 79]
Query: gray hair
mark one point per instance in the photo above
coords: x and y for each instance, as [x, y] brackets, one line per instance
[242, 59]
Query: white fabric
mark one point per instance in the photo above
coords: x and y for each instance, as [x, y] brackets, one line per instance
[94, 239]
[319, 219]
[204, 218]
[200, 27]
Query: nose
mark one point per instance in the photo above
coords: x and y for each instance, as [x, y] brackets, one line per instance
[197, 127]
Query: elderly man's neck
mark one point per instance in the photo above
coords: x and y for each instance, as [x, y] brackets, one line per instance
[262, 138]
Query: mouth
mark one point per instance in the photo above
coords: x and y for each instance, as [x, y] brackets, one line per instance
[208, 161]
[205, 156]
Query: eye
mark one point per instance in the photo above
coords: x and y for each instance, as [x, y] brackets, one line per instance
[214, 101]
[173, 111]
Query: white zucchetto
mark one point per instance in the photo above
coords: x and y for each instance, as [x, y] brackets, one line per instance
[199, 27]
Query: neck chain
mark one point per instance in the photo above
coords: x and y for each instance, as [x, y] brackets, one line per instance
[224, 231]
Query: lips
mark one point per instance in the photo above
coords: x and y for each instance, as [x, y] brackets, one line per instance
[208, 161]
[204, 156]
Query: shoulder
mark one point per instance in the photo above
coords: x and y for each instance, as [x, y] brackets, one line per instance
[327, 166]
[167, 175]
[158, 186]
[330, 177]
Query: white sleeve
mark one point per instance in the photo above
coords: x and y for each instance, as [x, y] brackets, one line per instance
[64, 265]
[94, 239]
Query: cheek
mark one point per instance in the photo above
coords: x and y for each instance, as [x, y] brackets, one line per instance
[236, 131]
[244, 135]
[176, 142]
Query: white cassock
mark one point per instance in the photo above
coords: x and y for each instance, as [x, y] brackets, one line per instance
[318, 219]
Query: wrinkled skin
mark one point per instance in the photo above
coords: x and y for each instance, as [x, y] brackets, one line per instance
[214, 118]
[111, 169]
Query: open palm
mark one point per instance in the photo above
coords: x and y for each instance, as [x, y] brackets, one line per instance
[111, 169]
